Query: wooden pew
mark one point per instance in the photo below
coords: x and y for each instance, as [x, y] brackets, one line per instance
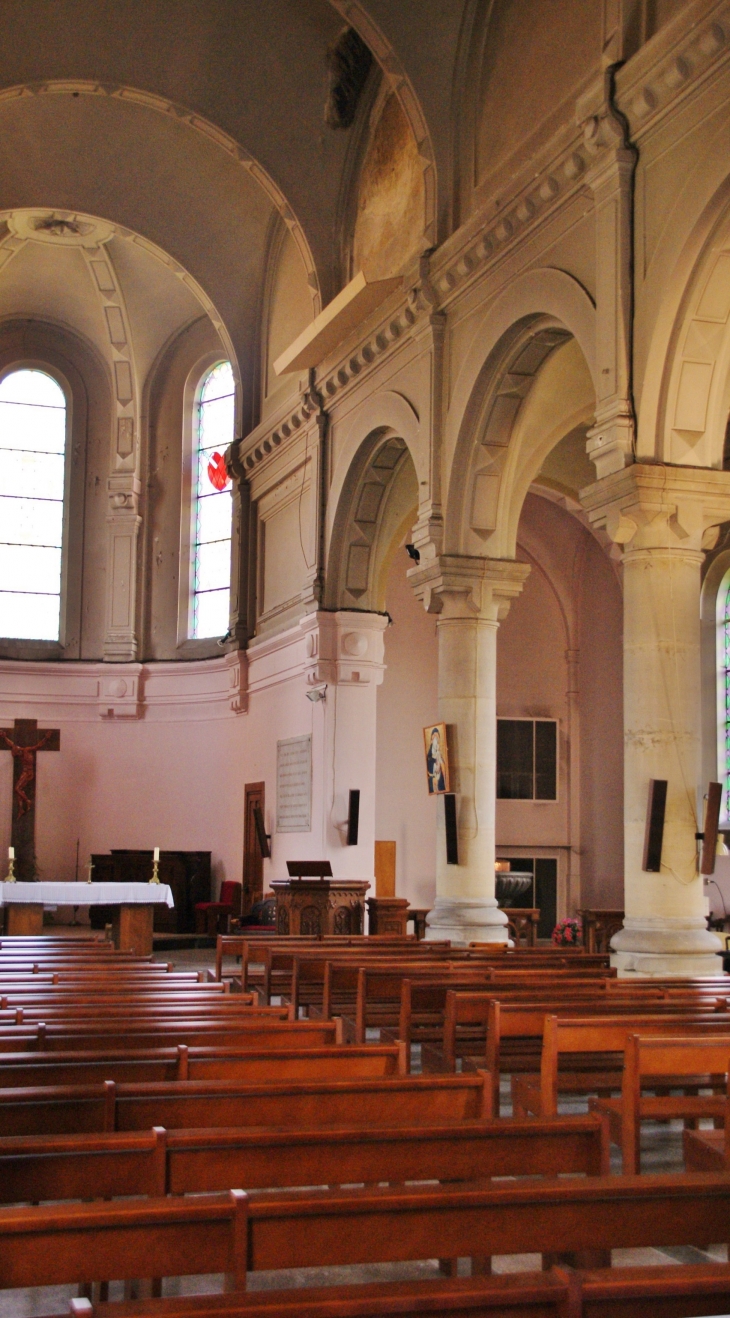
[604, 1039]
[423, 1006]
[521, 1026]
[653, 1292]
[62, 1243]
[651, 1061]
[42, 1168]
[193, 1104]
[252, 1066]
[292, 1229]
[161, 1034]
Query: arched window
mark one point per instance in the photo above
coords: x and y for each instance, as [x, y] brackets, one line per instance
[32, 484]
[211, 557]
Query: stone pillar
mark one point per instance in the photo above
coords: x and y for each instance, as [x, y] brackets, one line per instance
[471, 597]
[663, 517]
[344, 665]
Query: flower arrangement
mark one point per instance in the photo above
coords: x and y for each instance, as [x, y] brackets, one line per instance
[568, 933]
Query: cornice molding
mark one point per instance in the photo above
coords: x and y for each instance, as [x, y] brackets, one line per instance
[673, 64]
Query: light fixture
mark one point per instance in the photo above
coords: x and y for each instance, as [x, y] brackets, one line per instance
[317, 693]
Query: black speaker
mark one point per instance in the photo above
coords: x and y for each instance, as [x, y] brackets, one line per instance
[353, 817]
[654, 835]
[261, 833]
[452, 836]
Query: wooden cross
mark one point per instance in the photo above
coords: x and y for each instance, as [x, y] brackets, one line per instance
[24, 740]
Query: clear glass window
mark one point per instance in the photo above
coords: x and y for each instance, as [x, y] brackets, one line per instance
[212, 508]
[32, 482]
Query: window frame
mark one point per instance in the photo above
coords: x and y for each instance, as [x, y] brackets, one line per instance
[23, 647]
[531, 800]
[191, 647]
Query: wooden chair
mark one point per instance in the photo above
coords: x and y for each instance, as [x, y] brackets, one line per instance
[213, 918]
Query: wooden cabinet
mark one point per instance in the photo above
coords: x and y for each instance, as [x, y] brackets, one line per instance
[186, 872]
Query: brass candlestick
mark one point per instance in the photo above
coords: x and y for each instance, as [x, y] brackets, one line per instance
[11, 870]
[155, 872]
[89, 866]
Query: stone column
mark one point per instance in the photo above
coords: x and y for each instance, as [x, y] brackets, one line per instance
[343, 663]
[471, 597]
[663, 517]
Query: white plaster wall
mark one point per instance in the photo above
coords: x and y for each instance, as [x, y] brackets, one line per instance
[407, 700]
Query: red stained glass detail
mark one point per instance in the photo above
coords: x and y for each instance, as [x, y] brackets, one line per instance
[217, 474]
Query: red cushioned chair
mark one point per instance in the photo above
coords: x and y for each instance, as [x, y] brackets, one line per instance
[213, 918]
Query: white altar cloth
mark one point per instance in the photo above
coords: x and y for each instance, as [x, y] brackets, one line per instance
[86, 894]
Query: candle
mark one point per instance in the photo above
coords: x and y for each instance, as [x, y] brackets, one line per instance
[11, 853]
[157, 854]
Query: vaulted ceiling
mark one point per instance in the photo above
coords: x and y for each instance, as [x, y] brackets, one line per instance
[193, 123]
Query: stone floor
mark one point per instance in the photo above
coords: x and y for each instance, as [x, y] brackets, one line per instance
[661, 1152]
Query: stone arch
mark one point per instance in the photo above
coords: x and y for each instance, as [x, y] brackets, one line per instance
[355, 14]
[374, 489]
[694, 397]
[535, 315]
[699, 213]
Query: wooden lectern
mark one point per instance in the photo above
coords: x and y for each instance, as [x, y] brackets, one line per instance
[311, 903]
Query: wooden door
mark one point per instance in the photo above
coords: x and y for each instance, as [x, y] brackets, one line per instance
[253, 865]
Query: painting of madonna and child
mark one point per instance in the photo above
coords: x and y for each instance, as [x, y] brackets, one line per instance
[437, 758]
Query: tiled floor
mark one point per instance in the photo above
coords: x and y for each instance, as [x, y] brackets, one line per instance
[661, 1152]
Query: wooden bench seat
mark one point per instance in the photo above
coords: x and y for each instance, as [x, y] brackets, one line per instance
[293, 1229]
[656, 1292]
[515, 1030]
[576, 1042]
[42, 1168]
[332, 1062]
[62, 1243]
[705, 1150]
[188, 1104]
[650, 1062]
[161, 1034]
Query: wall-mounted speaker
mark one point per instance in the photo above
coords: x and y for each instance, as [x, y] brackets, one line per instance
[261, 834]
[353, 817]
[654, 834]
[712, 821]
[452, 836]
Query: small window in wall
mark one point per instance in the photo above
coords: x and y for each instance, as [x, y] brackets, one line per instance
[212, 504]
[32, 482]
[527, 759]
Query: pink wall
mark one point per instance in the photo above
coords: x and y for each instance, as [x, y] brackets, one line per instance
[175, 777]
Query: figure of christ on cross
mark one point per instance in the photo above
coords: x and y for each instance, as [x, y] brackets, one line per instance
[24, 740]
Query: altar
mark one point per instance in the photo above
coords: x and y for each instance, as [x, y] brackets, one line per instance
[133, 905]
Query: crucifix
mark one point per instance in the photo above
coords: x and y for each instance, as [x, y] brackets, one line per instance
[24, 740]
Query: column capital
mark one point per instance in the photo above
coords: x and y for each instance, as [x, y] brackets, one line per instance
[345, 648]
[461, 586]
[655, 507]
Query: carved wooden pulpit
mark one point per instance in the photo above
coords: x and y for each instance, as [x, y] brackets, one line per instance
[24, 740]
[311, 903]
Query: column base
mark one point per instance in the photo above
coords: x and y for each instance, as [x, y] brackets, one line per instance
[463, 921]
[649, 946]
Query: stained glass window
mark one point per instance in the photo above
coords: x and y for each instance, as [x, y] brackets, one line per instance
[32, 478]
[212, 504]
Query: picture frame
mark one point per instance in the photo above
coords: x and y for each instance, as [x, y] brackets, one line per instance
[436, 752]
